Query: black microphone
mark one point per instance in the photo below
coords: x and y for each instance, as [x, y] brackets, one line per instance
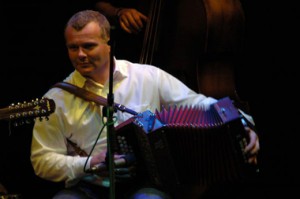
[126, 161]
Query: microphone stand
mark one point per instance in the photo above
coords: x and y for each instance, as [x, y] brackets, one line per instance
[111, 140]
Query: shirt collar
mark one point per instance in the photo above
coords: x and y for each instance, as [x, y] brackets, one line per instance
[121, 69]
[120, 72]
[79, 79]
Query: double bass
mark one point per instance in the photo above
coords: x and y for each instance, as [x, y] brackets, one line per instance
[201, 43]
[198, 41]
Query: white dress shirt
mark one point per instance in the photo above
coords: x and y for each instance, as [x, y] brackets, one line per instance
[138, 87]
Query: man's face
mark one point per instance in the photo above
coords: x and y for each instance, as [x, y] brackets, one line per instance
[88, 52]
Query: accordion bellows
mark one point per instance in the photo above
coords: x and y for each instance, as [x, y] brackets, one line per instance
[184, 145]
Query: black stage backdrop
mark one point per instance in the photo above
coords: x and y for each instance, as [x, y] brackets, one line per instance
[34, 57]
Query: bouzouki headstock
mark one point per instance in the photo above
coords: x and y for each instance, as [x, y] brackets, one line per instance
[27, 111]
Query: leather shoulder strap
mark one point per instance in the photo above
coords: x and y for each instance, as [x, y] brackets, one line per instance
[89, 96]
[80, 92]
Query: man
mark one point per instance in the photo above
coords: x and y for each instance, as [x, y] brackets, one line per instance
[75, 120]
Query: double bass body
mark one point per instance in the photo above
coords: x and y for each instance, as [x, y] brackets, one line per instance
[198, 41]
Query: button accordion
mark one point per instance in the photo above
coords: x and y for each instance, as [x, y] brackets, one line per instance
[184, 145]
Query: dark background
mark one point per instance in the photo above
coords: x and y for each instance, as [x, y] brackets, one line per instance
[33, 58]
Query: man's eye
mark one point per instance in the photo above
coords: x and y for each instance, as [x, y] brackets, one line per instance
[88, 46]
[72, 47]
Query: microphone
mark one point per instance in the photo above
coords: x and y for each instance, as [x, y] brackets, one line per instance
[126, 161]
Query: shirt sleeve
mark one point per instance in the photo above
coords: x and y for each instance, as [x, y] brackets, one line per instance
[173, 91]
[49, 153]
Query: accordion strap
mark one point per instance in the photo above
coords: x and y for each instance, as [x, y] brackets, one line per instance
[89, 96]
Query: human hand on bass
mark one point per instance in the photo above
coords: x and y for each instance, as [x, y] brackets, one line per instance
[131, 20]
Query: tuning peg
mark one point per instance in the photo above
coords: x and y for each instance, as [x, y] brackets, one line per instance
[19, 123]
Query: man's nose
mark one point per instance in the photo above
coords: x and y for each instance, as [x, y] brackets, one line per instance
[81, 52]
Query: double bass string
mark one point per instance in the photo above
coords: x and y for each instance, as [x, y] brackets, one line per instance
[150, 35]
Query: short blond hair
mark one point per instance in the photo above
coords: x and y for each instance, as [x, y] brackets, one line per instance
[80, 19]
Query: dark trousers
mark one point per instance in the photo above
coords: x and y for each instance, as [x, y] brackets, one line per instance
[84, 190]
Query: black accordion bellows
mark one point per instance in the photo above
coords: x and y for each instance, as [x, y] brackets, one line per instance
[184, 145]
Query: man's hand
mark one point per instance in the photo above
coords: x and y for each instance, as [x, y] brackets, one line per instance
[131, 20]
[252, 147]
